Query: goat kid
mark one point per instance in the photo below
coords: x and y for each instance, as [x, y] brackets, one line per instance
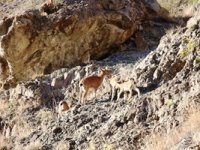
[63, 107]
[123, 86]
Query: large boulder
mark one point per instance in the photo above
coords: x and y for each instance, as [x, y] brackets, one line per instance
[42, 40]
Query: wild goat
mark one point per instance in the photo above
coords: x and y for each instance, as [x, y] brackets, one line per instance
[92, 82]
[63, 107]
[123, 86]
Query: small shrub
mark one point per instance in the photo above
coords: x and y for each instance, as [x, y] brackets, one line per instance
[91, 146]
[58, 1]
[192, 2]
[62, 145]
[190, 46]
[32, 146]
[170, 103]
[166, 141]
[107, 147]
[198, 59]
[4, 143]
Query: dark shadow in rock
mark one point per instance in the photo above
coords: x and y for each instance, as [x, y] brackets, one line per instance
[72, 144]
[48, 69]
[102, 101]
[152, 32]
[149, 88]
[50, 8]
[31, 110]
[4, 25]
[57, 130]
[47, 147]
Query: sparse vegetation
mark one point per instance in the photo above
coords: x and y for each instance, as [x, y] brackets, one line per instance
[61, 145]
[6, 1]
[107, 147]
[189, 47]
[91, 146]
[18, 123]
[198, 59]
[4, 143]
[104, 147]
[170, 103]
[174, 6]
[168, 4]
[58, 1]
[166, 141]
[32, 146]
[192, 2]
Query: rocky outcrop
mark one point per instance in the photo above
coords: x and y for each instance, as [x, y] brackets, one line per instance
[42, 40]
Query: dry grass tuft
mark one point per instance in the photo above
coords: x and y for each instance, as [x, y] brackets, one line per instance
[4, 143]
[22, 129]
[62, 145]
[17, 123]
[160, 142]
[45, 115]
[32, 146]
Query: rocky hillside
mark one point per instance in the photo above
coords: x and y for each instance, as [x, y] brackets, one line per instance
[137, 41]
